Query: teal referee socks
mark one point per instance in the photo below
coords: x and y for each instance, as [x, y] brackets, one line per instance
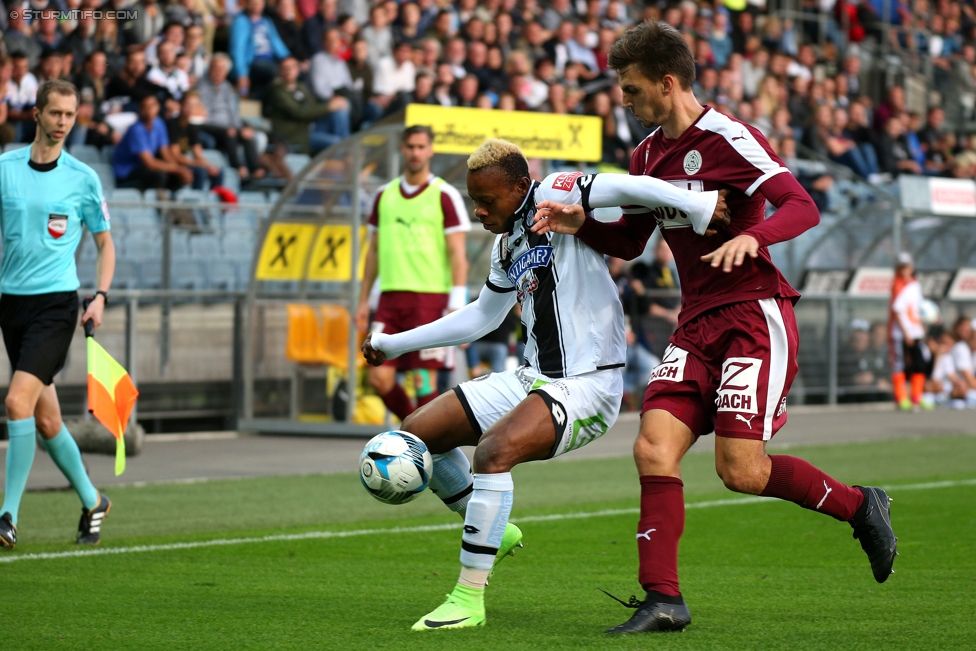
[65, 454]
[20, 457]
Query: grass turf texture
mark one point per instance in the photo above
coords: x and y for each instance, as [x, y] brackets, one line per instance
[767, 575]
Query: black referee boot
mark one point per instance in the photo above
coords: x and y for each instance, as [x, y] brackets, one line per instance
[90, 525]
[658, 612]
[8, 532]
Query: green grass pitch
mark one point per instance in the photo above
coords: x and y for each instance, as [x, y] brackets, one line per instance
[756, 575]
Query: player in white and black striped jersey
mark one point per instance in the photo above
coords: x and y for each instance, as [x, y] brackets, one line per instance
[566, 394]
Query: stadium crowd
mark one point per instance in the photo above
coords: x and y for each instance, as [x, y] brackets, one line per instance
[324, 69]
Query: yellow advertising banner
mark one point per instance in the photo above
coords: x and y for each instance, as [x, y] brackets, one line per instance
[332, 254]
[539, 135]
[285, 251]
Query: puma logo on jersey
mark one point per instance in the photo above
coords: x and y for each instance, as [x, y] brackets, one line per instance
[743, 419]
[742, 137]
[647, 534]
[824, 499]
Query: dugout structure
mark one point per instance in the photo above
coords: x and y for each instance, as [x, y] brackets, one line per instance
[299, 348]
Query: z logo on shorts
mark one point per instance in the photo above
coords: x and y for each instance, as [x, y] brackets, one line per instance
[672, 367]
[737, 391]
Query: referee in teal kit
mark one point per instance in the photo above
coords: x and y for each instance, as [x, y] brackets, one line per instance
[47, 196]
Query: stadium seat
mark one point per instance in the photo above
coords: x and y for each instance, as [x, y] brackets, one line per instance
[107, 152]
[296, 162]
[232, 180]
[15, 145]
[221, 274]
[105, 175]
[335, 337]
[303, 345]
[87, 154]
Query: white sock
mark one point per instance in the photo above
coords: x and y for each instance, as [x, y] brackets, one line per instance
[607, 190]
[484, 523]
[452, 480]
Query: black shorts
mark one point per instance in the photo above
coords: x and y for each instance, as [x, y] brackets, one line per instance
[37, 331]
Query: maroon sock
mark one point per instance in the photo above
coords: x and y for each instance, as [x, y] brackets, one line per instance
[398, 402]
[423, 400]
[797, 481]
[662, 521]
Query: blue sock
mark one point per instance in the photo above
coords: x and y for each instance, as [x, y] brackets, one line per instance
[65, 454]
[20, 457]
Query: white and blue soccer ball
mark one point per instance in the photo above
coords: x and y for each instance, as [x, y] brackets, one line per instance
[395, 467]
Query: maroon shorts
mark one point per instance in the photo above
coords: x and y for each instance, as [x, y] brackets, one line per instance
[402, 311]
[729, 370]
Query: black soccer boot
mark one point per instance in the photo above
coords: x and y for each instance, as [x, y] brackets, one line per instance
[8, 532]
[90, 525]
[658, 612]
[872, 527]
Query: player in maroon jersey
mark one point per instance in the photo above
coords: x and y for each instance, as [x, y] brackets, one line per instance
[732, 358]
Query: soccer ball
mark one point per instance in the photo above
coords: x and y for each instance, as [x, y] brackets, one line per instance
[395, 467]
[929, 312]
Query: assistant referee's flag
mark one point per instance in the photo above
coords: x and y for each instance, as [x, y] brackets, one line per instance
[111, 394]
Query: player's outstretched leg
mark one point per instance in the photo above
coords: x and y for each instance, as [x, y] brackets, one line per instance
[20, 458]
[864, 508]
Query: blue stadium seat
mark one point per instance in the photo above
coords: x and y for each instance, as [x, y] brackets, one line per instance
[296, 162]
[105, 175]
[252, 197]
[107, 152]
[221, 274]
[15, 145]
[87, 154]
[232, 180]
[204, 246]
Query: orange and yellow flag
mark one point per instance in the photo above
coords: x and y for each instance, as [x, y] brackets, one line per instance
[111, 396]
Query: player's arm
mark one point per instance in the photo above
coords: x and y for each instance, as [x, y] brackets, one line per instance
[612, 190]
[457, 255]
[369, 277]
[471, 322]
[795, 214]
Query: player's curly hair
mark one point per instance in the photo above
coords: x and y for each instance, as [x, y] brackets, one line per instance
[495, 152]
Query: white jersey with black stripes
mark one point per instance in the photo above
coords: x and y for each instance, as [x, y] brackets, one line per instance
[570, 308]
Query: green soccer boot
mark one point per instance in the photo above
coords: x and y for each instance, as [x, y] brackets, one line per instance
[464, 608]
[511, 540]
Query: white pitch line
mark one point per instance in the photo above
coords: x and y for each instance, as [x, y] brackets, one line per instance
[312, 535]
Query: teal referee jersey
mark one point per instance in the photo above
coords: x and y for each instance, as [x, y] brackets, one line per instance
[41, 217]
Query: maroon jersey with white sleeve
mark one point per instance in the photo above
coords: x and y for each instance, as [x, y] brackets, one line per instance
[716, 152]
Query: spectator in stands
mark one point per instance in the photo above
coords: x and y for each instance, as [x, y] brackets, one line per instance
[197, 52]
[46, 32]
[328, 74]
[292, 106]
[313, 28]
[893, 155]
[223, 122]
[408, 30]
[107, 40]
[147, 24]
[141, 158]
[131, 86]
[166, 74]
[50, 66]
[173, 33]
[285, 18]
[81, 41]
[378, 35]
[91, 84]
[8, 133]
[394, 79]
[361, 73]
[894, 105]
[932, 133]
[856, 367]
[21, 95]
[653, 318]
[184, 144]
[18, 37]
[255, 48]
[816, 183]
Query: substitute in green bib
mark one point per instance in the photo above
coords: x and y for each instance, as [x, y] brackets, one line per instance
[46, 197]
[417, 249]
